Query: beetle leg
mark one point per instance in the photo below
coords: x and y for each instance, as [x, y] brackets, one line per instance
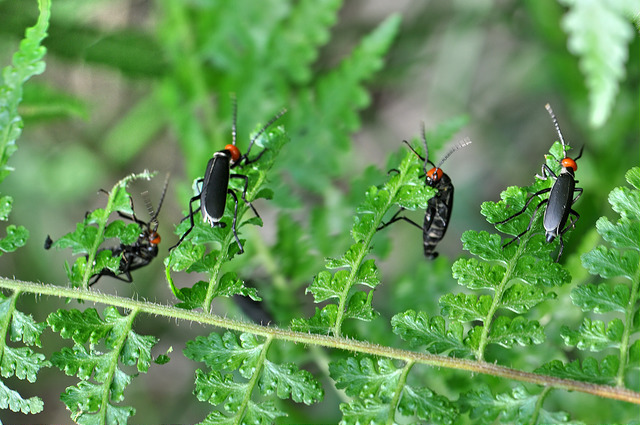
[533, 216]
[538, 193]
[235, 218]
[244, 191]
[579, 190]
[545, 169]
[396, 218]
[189, 216]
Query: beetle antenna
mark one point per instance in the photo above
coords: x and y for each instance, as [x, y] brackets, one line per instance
[555, 123]
[264, 128]
[234, 130]
[423, 133]
[465, 142]
[147, 201]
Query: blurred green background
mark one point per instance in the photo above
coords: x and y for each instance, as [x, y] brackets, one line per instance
[133, 85]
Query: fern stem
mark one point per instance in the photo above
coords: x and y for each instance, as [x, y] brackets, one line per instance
[228, 240]
[533, 420]
[364, 244]
[393, 405]
[628, 326]
[4, 326]
[346, 344]
[113, 365]
[497, 298]
[254, 379]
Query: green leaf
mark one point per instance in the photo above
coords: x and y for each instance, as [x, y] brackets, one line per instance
[427, 406]
[517, 407]
[226, 352]
[6, 205]
[43, 102]
[229, 285]
[623, 234]
[320, 323]
[25, 329]
[590, 370]
[365, 379]
[506, 331]
[81, 326]
[359, 306]
[418, 329]
[22, 362]
[326, 286]
[476, 275]
[12, 400]
[602, 48]
[290, 382]
[82, 363]
[137, 350]
[521, 298]
[610, 263]
[594, 335]
[16, 237]
[365, 411]
[27, 62]
[540, 272]
[602, 298]
[215, 388]
[484, 245]
[465, 307]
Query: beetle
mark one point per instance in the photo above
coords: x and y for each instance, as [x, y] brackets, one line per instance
[439, 207]
[142, 251]
[563, 194]
[215, 183]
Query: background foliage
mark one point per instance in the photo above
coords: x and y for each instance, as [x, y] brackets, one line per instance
[135, 85]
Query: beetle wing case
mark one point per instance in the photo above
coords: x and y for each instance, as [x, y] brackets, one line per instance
[215, 185]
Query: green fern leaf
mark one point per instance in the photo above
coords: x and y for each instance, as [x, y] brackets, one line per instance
[25, 329]
[12, 400]
[590, 370]
[379, 389]
[192, 256]
[594, 335]
[599, 34]
[102, 383]
[506, 331]
[426, 405]
[517, 407]
[621, 262]
[226, 352]
[21, 362]
[601, 298]
[93, 231]
[465, 307]
[248, 356]
[366, 379]
[287, 381]
[418, 329]
[404, 189]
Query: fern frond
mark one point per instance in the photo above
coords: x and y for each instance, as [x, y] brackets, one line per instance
[520, 276]
[21, 362]
[94, 230]
[404, 189]
[192, 256]
[232, 395]
[27, 62]
[102, 381]
[380, 391]
[619, 301]
[518, 407]
[599, 34]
